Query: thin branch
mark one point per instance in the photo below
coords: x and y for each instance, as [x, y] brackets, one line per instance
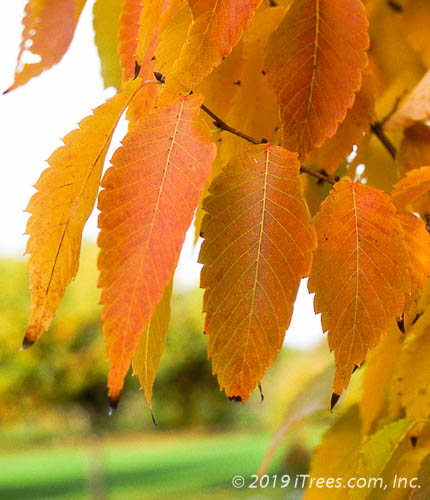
[319, 176]
[222, 125]
[377, 129]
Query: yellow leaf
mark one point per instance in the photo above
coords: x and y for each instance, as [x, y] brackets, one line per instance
[360, 273]
[378, 373]
[415, 30]
[336, 457]
[217, 27]
[66, 193]
[381, 452]
[174, 25]
[151, 345]
[258, 245]
[106, 25]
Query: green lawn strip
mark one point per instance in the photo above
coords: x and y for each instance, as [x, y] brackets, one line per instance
[143, 468]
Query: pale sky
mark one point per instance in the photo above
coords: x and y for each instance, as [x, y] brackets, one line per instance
[34, 118]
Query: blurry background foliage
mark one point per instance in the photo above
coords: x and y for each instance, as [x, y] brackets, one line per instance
[53, 397]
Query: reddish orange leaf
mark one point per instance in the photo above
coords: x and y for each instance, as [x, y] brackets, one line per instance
[350, 132]
[314, 64]
[49, 26]
[128, 32]
[218, 26]
[147, 204]
[417, 241]
[258, 245]
[360, 273]
[415, 184]
[66, 193]
[151, 345]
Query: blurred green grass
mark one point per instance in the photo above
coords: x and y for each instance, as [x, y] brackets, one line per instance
[189, 465]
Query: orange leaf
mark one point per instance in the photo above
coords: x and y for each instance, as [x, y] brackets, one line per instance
[147, 204]
[49, 26]
[360, 272]
[149, 23]
[218, 26]
[350, 132]
[67, 191]
[417, 241]
[258, 245]
[415, 184]
[416, 107]
[127, 35]
[314, 64]
[143, 63]
[151, 345]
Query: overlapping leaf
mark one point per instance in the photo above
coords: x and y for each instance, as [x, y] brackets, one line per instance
[351, 131]
[258, 244]
[250, 85]
[106, 25]
[149, 23]
[378, 373]
[66, 193]
[416, 108]
[49, 26]
[381, 452]
[147, 204]
[413, 384]
[218, 26]
[314, 64]
[416, 31]
[360, 273]
[128, 33]
[151, 345]
[336, 456]
[417, 241]
[410, 188]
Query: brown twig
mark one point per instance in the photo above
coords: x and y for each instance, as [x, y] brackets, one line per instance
[378, 130]
[222, 125]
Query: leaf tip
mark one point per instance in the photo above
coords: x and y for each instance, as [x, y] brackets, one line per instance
[401, 324]
[113, 405]
[26, 343]
[235, 399]
[261, 393]
[153, 418]
[334, 399]
[137, 67]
